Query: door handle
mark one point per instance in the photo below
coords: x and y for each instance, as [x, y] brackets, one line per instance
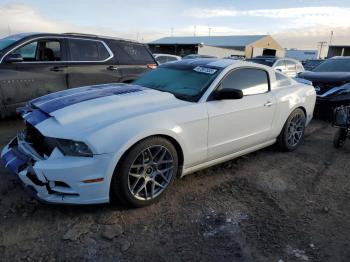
[57, 69]
[112, 68]
[268, 103]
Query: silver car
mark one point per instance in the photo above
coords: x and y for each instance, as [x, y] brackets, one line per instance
[288, 66]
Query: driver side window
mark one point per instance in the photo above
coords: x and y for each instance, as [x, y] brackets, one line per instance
[41, 50]
[250, 80]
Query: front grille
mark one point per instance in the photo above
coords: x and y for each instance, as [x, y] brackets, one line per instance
[37, 141]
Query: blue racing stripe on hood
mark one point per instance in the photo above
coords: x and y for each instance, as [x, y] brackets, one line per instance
[35, 117]
[56, 101]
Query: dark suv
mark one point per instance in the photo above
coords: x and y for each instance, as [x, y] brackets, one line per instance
[33, 65]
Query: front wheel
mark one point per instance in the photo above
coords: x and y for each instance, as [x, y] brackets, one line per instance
[145, 172]
[293, 131]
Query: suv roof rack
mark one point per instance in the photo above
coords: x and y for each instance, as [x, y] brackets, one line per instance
[81, 34]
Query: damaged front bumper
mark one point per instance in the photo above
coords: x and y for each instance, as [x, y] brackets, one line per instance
[59, 178]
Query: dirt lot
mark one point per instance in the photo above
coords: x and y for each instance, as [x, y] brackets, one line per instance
[266, 206]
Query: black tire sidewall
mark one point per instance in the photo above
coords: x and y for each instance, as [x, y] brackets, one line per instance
[283, 139]
[120, 186]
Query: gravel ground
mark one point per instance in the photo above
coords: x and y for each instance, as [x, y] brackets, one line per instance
[266, 206]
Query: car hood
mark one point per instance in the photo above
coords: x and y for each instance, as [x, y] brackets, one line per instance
[336, 93]
[326, 77]
[95, 106]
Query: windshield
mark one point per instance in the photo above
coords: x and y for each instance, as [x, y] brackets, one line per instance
[7, 41]
[187, 84]
[267, 62]
[334, 65]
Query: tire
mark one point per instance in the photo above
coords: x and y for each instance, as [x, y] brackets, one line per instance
[340, 138]
[293, 131]
[145, 172]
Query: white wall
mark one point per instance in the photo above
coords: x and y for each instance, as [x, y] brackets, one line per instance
[218, 51]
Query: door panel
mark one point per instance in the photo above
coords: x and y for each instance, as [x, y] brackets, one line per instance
[235, 125]
[85, 74]
[91, 63]
[25, 81]
[40, 73]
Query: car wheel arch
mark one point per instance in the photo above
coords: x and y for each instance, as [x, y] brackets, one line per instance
[175, 142]
[291, 111]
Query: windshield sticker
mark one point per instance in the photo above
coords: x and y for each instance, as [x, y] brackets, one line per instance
[205, 70]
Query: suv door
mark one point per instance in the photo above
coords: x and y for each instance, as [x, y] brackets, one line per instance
[41, 71]
[235, 125]
[90, 62]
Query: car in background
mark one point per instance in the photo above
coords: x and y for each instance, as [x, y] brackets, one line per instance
[166, 58]
[90, 144]
[310, 64]
[331, 81]
[288, 66]
[36, 64]
[195, 56]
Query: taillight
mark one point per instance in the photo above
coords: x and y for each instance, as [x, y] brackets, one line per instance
[152, 66]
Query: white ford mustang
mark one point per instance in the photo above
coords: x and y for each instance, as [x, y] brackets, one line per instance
[91, 144]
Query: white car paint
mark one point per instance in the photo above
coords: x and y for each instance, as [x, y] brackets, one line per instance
[208, 132]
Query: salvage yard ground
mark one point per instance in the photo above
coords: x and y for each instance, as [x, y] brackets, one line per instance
[266, 206]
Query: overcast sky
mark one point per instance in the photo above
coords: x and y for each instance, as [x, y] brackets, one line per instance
[295, 23]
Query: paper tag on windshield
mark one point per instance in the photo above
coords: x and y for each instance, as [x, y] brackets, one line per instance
[205, 70]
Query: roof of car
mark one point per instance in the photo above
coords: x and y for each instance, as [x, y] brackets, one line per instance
[80, 35]
[211, 62]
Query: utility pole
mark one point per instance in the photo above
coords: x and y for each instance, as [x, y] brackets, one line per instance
[137, 36]
[321, 45]
[209, 31]
[194, 30]
[172, 31]
[330, 40]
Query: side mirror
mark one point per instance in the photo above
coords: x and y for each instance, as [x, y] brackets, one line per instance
[13, 58]
[279, 69]
[227, 93]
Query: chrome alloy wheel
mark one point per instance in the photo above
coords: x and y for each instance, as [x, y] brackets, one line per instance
[151, 172]
[296, 129]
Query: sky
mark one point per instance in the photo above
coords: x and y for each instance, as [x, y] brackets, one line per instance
[295, 24]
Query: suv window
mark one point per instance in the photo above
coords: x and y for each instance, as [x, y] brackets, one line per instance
[82, 50]
[162, 59]
[280, 63]
[251, 81]
[131, 53]
[282, 80]
[171, 59]
[291, 65]
[41, 50]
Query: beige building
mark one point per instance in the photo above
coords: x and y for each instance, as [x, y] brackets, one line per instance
[221, 46]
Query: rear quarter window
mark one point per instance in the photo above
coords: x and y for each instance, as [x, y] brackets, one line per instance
[131, 53]
[282, 80]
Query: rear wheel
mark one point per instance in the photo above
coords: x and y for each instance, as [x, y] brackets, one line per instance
[145, 172]
[293, 131]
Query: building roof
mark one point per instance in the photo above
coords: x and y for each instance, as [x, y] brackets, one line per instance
[224, 41]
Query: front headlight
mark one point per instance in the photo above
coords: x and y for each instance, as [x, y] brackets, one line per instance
[74, 148]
